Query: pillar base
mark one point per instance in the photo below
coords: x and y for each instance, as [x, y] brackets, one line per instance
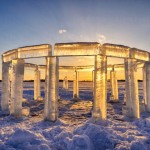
[25, 111]
[53, 117]
[142, 107]
[113, 100]
[24, 100]
[125, 112]
[76, 99]
[40, 98]
[5, 113]
[98, 121]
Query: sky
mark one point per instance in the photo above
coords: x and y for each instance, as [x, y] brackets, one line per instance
[33, 22]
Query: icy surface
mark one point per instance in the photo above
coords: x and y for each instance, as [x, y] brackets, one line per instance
[74, 130]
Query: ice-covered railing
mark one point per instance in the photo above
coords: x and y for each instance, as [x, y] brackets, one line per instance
[28, 52]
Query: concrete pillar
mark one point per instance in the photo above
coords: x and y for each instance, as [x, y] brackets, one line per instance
[17, 87]
[114, 86]
[147, 86]
[51, 92]
[65, 83]
[100, 88]
[131, 87]
[76, 85]
[5, 87]
[37, 84]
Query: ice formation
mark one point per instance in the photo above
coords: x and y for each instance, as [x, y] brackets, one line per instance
[114, 86]
[131, 86]
[65, 83]
[13, 73]
[51, 93]
[17, 87]
[37, 90]
[76, 85]
[100, 88]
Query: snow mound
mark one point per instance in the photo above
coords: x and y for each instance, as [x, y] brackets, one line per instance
[24, 139]
[81, 142]
[135, 145]
[98, 136]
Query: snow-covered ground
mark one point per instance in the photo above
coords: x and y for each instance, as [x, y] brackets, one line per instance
[74, 130]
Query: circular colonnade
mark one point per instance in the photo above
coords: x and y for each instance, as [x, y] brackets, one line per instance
[13, 70]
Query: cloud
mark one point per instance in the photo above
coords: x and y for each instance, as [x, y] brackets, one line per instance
[101, 38]
[61, 31]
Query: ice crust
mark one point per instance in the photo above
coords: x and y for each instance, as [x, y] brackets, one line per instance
[117, 133]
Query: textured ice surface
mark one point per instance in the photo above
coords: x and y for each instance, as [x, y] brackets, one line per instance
[74, 130]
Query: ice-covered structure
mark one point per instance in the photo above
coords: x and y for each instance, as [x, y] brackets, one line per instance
[13, 72]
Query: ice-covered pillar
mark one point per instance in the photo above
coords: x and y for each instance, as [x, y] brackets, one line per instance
[144, 85]
[131, 87]
[114, 86]
[5, 87]
[76, 85]
[100, 87]
[146, 88]
[51, 92]
[17, 87]
[37, 85]
[65, 83]
[93, 81]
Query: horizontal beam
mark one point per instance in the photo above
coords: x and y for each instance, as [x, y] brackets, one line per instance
[116, 67]
[139, 54]
[76, 49]
[10, 55]
[28, 52]
[113, 50]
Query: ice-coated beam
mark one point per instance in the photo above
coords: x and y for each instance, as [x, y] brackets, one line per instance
[115, 50]
[35, 51]
[65, 83]
[79, 49]
[51, 92]
[37, 84]
[139, 54]
[100, 87]
[147, 86]
[76, 85]
[5, 87]
[17, 87]
[28, 52]
[131, 87]
[10, 55]
[114, 86]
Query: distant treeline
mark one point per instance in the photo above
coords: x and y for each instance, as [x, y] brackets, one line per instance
[42, 80]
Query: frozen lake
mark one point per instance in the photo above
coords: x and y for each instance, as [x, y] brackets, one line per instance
[75, 130]
[85, 89]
